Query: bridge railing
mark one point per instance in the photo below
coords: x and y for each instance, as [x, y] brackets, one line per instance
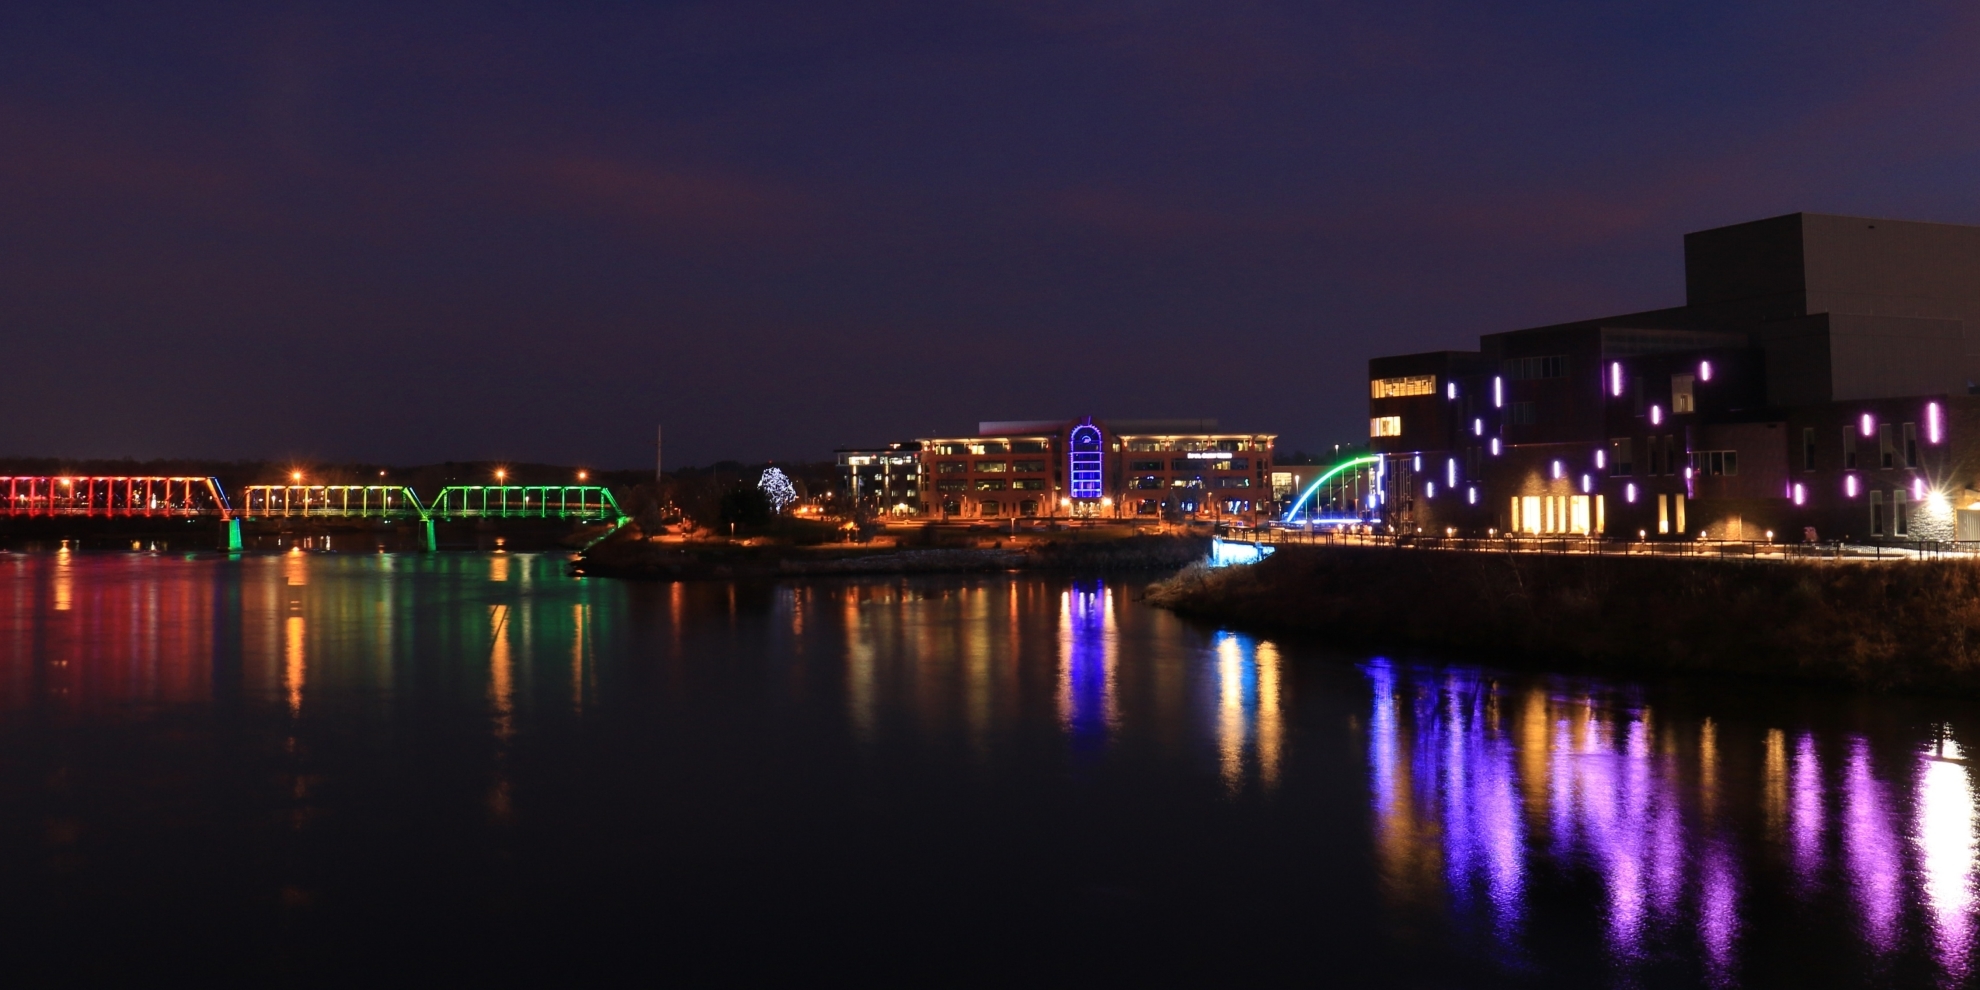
[331, 501]
[99, 495]
[524, 502]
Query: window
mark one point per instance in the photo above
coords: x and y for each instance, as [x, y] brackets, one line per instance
[1849, 448]
[1682, 397]
[1656, 457]
[989, 508]
[1028, 484]
[951, 507]
[991, 467]
[990, 447]
[1146, 445]
[952, 485]
[1237, 505]
[1235, 464]
[1619, 457]
[1396, 388]
[1385, 426]
[1677, 513]
[1522, 369]
[1715, 462]
[947, 448]
[1808, 448]
[1147, 481]
[1876, 513]
[1028, 507]
[1886, 450]
[1521, 413]
[1196, 482]
[1147, 507]
[1233, 482]
[952, 467]
[989, 484]
[1144, 465]
[1027, 446]
[1028, 467]
[1900, 519]
[1910, 446]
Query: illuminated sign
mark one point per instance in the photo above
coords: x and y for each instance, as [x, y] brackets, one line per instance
[1084, 447]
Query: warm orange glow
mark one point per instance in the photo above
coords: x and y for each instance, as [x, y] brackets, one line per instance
[295, 476]
[583, 475]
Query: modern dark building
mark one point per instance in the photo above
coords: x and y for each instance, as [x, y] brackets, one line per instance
[1822, 375]
[882, 480]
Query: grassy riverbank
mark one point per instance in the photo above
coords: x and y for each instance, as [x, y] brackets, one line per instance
[640, 558]
[1913, 624]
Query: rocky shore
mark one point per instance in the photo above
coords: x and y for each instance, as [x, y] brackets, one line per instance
[676, 561]
[1911, 624]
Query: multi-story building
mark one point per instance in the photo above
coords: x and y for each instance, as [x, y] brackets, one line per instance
[1821, 377]
[1145, 469]
[881, 480]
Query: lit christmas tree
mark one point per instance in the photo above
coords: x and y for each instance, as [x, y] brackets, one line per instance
[777, 488]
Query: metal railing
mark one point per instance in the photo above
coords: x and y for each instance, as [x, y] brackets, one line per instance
[1618, 546]
[97, 495]
[331, 501]
[524, 502]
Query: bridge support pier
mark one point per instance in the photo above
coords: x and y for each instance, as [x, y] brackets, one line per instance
[427, 538]
[230, 534]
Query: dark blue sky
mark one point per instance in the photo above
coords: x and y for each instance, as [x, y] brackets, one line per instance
[409, 232]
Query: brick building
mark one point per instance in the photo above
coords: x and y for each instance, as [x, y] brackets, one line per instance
[1088, 468]
[1822, 375]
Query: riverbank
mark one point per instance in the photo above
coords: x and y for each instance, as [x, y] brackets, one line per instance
[677, 561]
[1912, 625]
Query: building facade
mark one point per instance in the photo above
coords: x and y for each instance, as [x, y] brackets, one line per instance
[1088, 468]
[1821, 378]
[881, 480]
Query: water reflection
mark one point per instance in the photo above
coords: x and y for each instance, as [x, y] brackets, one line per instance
[1944, 836]
[1087, 658]
[1534, 827]
[1656, 808]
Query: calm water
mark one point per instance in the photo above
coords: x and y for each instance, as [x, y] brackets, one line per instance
[323, 769]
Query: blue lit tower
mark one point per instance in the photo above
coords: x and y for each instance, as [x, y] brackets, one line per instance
[1084, 450]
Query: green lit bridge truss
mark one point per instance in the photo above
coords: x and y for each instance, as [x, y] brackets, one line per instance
[331, 501]
[581, 502]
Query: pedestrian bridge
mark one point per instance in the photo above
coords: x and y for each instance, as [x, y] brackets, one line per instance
[195, 497]
[106, 496]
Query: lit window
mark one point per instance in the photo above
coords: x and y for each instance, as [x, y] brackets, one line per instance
[1385, 426]
[1396, 388]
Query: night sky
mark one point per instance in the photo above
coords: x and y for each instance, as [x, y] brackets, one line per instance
[413, 232]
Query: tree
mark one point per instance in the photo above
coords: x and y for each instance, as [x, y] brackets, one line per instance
[777, 489]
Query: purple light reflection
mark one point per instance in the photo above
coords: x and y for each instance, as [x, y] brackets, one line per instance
[1870, 849]
[1805, 823]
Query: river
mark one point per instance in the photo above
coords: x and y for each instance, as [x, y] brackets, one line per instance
[323, 769]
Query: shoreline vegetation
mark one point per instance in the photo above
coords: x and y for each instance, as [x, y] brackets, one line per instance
[1910, 625]
[634, 556]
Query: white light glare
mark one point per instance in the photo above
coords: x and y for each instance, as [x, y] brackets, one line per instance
[1932, 432]
[1615, 378]
[1498, 392]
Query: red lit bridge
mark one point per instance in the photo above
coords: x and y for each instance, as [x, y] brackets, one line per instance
[195, 497]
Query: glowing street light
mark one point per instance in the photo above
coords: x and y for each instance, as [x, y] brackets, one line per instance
[583, 475]
[295, 476]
